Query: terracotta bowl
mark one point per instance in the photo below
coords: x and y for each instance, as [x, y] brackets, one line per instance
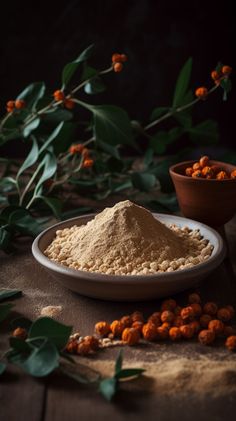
[212, 202]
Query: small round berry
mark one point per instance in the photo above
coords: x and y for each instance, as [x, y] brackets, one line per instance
[226, 70]
[137, 316]
[231, 309]
[118, 67]
[217, 326]
[196, 326]
[224, 314]
[116, 58]
[231, 343]
[19, 104]
[123, 58]
[206, 337]
[126, 321]
[69, 103]
[175, 333]
[197, 309]
[210, 308]
[75, 149]
[117, 328]
[215, 75]
[205, 319]
[138, 325]
[194, 298]
[59, 95]
[10, 106]
[149, 332]
[228, 331]
[20, 333]
[88, 163]
[71, 347]
[187, 313]
[162, 333]
[196, 166]
[187, 331]
[92, 342]
[169, 304]
[178, 321]
[83, 348]
[167, 316]
[189, 171]
[197, 174]
[130, 336]
[222, 175]
[201, 92]
[166, 325]
[155, 318]
[177, 310]
[102, 328]
[207, 172]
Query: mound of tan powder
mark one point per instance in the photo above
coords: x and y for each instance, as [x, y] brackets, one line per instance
[127, 239]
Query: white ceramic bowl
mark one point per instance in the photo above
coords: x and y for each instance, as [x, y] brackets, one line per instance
[127, 287]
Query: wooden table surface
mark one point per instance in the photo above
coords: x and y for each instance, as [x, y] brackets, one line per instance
[58, 398]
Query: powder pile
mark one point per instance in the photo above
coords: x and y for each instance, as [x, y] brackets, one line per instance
[127, 240]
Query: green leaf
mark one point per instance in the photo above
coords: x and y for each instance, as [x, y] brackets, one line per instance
[158, 112]
[5, 240]
[19, 345]
[159, 142]
[30, 127]
[31, 158]
[182, 83]
[108, 388]
[50, 166]
[2, 367]
[143, 181]
[23, 322]
[9, 293]
[204, 133]
[71, 67]
[53, 330]
[7, 184]
[52, 136]
[129, 372]
[42, 361]
[25, 222]
[148, 158]
[110, 149]
[32, 94]
[64, 137]
[119, 361]
[57, 115]
[94, 86]
[54, 204]
[5, 310]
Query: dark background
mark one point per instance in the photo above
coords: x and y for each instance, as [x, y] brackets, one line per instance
[38, 38]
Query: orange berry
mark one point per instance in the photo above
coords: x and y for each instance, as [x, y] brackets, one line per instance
[102, 328]
[88, 163]
[197, 174]
[71, 346]
[187, 331]
[204, 161]
[168, 304]
[216, 325]
[162, 333]
[149, 332]
[59, 95]
[222, 175]
[167, 316]
[207, 172]
[126, 320]
[228, 331]
[215, 75]
[231, 343]
[205, 319]
[78, 148]
[210, 308]
[137, 316]
[206, 337]
[117, 328]
[178, 321]
[166, 325]
[116, 58]
[189, 171]
[201, 92]
[92, 342]
[226, 70]
[224, 314]
[131, 336]
[215, 168]
[123, 58]
[195, 325]
[187, 313]
[175, 333]
[20, 333]
[231, 309]
[85, 152]
[177, 310]
[233, 174]
[196, 166]
[194, 298]
[138, 325]
[84, 348]
[118, 67]
[155, 318]
[10, 106]
[197, 309]
[19, 104]
[69, 103]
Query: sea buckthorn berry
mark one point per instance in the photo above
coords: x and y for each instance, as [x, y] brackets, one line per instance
[137, 316]
[88, 163]
[189, 171]
[196, 326]
[197, 309]
[59, 95]
[162, 333]
[155, 318]
[224, 314]
[228, 331]
[71, 346]
[187, 331]
[149, 332]
[175, 333]
[187, 313]
[196, 166]
[117, 328]
[226, 70]
[102, 328]
[116, 58]
[207, 171]
[205, 319]
[20, 333]
[85, 152]
[167, 316]
[19, 104]
[169, 304]
[194, 298]
[222, 175]
[204, 161]
[69, 103]
[206, 337]
[210, 308]
[78, 148]
[201, 92]
[123, 58]
[118, 67]
[231, 309]
[178, 321]
[130, 336]
[10, 106]
[233, 174]
[92, 342]
[166, 325]
[177, 310]
[215, 75]
[83, 348]
[216, 325]
[216, 168]
[126, 321]
[231, 343]
[138, 325]
[197, 174]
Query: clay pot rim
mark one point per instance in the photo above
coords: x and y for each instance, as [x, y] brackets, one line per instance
[175, 174]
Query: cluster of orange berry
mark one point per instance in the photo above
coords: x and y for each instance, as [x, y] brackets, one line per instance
[217, 76]
[171, 322]
[67, 102]
[80, 149]
[117, 61]
[203, 169]
[18, 104]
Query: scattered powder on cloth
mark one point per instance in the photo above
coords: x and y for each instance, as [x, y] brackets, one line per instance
[51, 311]
[127, 240]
